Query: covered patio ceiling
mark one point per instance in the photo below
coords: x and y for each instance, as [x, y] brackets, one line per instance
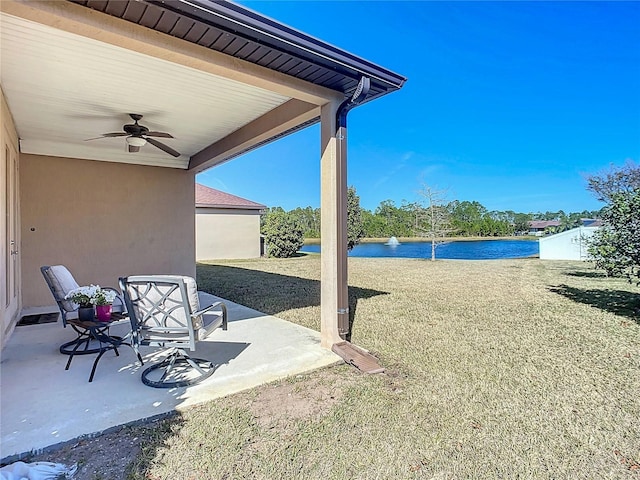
[219, 78]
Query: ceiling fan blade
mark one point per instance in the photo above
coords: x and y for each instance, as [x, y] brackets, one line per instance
[133, 149]
[163, 147]
[159, 134]
[115, 134]
[108, 135]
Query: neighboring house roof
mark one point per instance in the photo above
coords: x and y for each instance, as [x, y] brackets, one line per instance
[591, 222]
[537, 224]
[207, 197]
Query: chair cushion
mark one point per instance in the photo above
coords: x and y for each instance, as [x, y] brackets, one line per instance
[194, 301]
[204, 324]
[207, 323]
[62, 282]
[192, 292]
[163, 304]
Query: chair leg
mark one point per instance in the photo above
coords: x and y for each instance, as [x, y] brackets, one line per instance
[172, 360]
[135, 349]
[194, 365]
[86, 344]
[75, 350]
[68, 362]
[95, 364]
[176, 370]
[82, 340]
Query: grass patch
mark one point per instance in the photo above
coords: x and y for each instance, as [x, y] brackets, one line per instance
[496, 369]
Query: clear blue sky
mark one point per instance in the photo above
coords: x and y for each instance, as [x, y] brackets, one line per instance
[506, 103]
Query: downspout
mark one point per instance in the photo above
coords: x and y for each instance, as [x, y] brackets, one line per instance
[356, 99]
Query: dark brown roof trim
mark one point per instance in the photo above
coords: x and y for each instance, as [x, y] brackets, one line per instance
[266, 31]
[229, 28]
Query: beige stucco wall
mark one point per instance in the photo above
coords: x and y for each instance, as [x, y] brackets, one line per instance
[227, 233]
[103, 220]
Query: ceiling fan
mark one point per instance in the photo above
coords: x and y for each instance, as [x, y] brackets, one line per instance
[138, 135]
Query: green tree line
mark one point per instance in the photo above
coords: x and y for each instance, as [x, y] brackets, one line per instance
[465, 219]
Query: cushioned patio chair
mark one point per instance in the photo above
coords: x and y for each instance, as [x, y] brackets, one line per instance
[61, 282]
[165, 311]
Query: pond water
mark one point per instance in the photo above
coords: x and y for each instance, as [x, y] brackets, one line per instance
[461, 250]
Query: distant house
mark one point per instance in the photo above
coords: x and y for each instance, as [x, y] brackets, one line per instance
[591, 222]
[538, 227]
[569, 245]
[226, 226]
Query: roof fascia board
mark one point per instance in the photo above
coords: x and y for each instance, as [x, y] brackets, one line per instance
[83, 21]
[279, 120]
[230, 207]
[282, 36]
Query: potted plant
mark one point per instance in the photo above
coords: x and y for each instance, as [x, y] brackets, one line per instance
[103, 300]
[83, 297]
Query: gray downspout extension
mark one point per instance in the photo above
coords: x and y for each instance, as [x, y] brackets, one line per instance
[360, 93]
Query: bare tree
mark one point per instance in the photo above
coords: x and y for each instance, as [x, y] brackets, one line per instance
[615, 180]
[436, 218]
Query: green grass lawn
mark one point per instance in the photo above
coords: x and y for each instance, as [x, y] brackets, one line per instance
[495, 369]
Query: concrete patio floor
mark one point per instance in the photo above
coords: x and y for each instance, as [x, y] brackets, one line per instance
[41, 404]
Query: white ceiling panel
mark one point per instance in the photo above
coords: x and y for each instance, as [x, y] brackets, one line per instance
[63, 89]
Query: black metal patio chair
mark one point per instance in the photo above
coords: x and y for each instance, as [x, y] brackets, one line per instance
[90, 336]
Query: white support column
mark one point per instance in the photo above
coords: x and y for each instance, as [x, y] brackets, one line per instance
[334, 295]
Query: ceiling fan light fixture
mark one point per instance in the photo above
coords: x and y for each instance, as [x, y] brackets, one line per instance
[138, 136]
[136, 141]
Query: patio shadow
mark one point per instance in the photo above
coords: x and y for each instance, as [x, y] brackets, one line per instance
[270, 293]
[619, 302]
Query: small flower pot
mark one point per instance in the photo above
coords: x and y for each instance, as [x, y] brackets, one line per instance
[86, 314]
[103, 312]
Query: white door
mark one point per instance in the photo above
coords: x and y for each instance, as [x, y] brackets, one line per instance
[9, 299]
